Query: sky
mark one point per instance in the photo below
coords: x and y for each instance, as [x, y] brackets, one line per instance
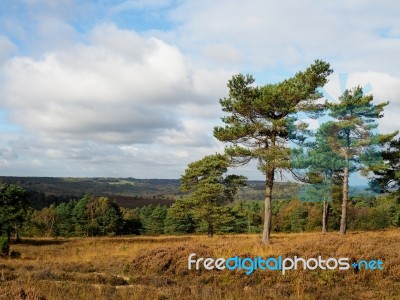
[131, 88]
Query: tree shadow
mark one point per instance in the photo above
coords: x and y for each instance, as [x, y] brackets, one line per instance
[40, 242]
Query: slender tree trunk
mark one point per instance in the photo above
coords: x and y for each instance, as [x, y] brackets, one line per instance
[268, 212]
[17, 238]
[343, 221]
[325, 216]
[210, 230]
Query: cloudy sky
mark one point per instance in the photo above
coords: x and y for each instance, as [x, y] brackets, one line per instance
[131, 88]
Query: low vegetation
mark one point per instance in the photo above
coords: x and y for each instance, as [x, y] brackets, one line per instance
[156, 268]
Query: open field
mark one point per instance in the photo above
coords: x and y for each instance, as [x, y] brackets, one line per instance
[156, 268]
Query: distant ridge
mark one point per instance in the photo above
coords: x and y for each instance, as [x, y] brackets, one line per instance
[128, 192]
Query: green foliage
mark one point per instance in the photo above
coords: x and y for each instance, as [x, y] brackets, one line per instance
[13, 208]
[132, 223]
[43, 222]
[180, 218]
[79, 216]
[209, 189]
[365, 213]
[262, 119]
[105, 218]
[64, 224]
[298, 219]
[145, 214]
[4, 246]
[155, 223]
[247, 216]
[387, 174]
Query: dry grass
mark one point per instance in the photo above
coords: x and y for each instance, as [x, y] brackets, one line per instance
[156, 268]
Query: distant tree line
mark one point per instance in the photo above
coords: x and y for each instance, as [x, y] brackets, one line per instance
[90, 216]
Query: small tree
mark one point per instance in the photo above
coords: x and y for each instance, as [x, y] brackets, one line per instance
[13, 209]
[209, 188]
[44, 220]
[155, 223]
[64, 225]
[180, 218]
[105, 217]
[320, 164]
[80, 217]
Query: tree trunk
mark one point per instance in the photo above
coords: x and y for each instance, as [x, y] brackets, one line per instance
[17, 238]
[325, 216]
[268, 212]
[343, 221]
[210, 230]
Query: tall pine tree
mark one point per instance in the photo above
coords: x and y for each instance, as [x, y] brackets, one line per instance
[352, 136]
[261, 121]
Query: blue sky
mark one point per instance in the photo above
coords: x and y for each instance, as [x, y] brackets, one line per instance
[131, 88]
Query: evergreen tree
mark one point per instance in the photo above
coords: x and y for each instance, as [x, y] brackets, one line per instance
[209, 189]
[145, 214]
[320, 165]
[387, 174]
[352, 136]
[180, 218]
[13, 209]
[80, 217]
[261, 121]
[64, 224]
[155, 223]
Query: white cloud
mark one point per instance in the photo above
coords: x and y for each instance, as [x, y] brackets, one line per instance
[6, 48]
[119, 102]
[120, 89]
[357, 35]
[90, 98]
[382, 86]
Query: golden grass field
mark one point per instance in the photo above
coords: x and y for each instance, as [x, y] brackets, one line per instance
[156, 268]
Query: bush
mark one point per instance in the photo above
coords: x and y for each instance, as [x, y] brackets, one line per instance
[4, 246]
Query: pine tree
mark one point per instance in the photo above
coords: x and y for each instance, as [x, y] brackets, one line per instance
[261, 121]
[13, 209]
[320, 164]
[387, 174]
[155, 223]
[209, 189]
[352, 136]
[180, 217]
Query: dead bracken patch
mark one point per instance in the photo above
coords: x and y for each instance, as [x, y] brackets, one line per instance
[168, 260]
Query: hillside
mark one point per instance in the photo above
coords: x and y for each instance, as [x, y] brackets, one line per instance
[127, 192]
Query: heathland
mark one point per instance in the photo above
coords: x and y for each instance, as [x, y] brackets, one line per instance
[155, 267]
